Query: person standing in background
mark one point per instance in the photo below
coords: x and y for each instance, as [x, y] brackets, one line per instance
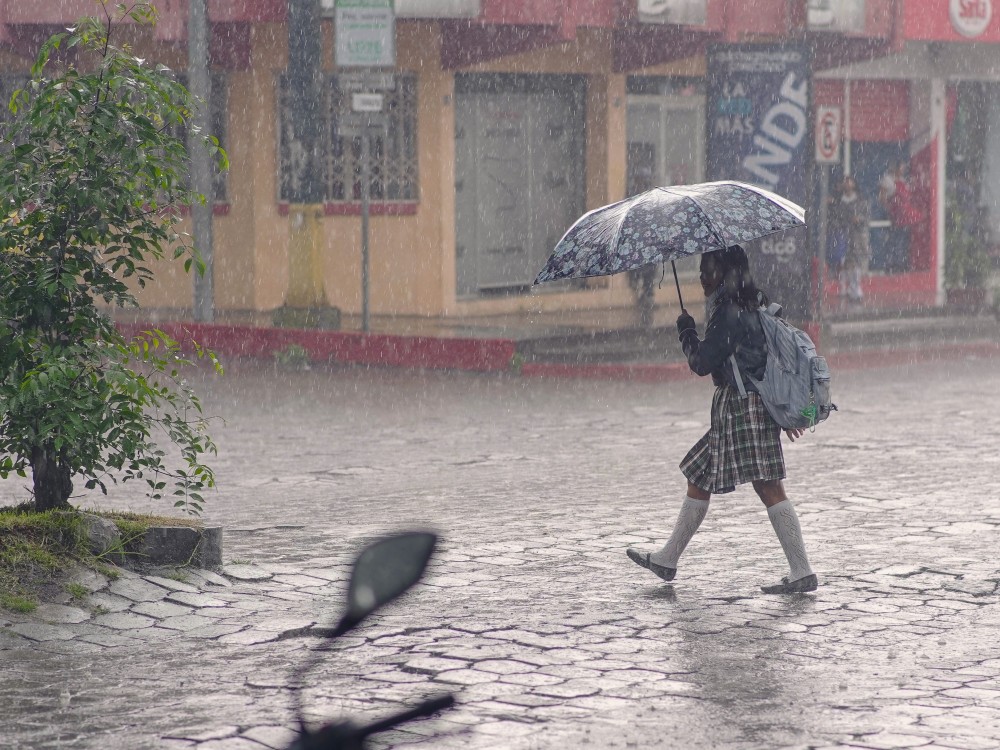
[887, 185]
[850, 217]
[903, 214]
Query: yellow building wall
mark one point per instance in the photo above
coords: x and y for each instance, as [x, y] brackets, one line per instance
[412, 271]
[172, 291]
[405, 251]
[251, 240]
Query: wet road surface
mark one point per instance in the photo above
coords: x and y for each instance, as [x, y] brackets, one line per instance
[531, 612]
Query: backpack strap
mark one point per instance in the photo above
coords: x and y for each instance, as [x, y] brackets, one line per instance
[739, 378]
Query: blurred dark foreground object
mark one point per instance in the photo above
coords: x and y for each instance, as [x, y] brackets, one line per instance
[381, 572]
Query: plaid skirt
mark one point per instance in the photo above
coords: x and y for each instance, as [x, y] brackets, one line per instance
[742, 445]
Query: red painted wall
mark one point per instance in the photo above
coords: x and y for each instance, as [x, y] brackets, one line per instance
[880, 110]
[937, 20]
[478, 355]
[756, 17]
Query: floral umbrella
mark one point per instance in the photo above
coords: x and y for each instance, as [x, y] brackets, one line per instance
[668, 223]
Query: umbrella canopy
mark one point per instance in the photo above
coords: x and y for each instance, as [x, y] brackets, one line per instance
[668, 223]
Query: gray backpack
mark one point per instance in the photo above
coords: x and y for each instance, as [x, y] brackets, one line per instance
[796, 383]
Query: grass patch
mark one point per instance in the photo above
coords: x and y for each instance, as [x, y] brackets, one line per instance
[108, 571]
[125, 519]
[35, 548]
[77, 591]
[15, 603]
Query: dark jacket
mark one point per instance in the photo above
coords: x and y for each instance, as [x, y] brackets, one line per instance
[730, 329]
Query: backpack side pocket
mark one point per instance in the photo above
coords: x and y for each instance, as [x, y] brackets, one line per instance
[821, 387]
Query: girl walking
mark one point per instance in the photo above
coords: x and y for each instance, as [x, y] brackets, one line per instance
[743, 443]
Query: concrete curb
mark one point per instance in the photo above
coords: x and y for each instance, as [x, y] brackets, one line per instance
[200, 546]
[379, 350]
[495, 355]
[183, 545]
[888, 357]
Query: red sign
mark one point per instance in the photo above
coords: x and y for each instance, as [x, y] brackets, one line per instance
[828, 135]
[950, 21]
[970, 17]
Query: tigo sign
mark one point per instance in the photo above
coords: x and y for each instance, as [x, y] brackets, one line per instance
[970, 18]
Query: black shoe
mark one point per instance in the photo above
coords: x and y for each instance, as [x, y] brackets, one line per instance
[798, 586]
[642, 558]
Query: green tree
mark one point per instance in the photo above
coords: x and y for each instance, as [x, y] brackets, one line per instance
[967, 260]
[92, 176]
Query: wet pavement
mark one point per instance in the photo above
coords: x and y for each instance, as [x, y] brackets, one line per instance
[531, 612]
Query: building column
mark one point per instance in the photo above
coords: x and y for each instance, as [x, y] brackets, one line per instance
[939, 135]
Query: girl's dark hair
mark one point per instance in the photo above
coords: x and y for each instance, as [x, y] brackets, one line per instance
[739, 281]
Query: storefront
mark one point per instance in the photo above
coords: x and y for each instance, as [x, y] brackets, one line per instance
[929, 104]
[508, 120]
[887, 139]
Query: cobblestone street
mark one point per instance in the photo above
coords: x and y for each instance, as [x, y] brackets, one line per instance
[531, 611]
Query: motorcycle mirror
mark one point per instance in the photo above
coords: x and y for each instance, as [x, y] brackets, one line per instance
[382, 571]
[386, 569]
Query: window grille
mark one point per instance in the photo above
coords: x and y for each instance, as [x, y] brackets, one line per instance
[393, 152]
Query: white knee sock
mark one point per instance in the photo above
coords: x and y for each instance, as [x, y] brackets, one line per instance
[786, 525]
[688, 520]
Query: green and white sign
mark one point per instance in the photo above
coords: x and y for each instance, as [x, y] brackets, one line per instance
[366, 33]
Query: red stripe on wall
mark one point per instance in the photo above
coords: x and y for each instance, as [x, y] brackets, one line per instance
[479, 355]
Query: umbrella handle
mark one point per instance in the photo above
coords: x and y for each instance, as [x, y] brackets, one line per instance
[678, 284]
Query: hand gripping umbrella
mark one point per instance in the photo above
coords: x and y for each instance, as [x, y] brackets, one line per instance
[668, 223]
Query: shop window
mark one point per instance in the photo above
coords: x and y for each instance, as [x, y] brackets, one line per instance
[393, 152]
[871, 162]
[666, 86]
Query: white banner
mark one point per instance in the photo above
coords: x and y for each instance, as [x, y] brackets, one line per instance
[685, 12]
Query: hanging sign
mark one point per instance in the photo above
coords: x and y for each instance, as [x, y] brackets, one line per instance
[970, 18]
[366, 102]
[828, 135]
[365, 33]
